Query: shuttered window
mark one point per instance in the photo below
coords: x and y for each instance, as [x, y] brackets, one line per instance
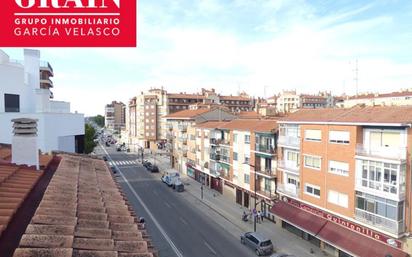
[313, 135]
[339, 137]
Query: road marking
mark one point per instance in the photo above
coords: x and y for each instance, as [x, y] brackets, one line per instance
[183, 221]
[168, 205]
[210, 248]
[177, 252]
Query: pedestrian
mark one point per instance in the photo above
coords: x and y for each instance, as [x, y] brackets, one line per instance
[259, 216]
[255, 215]
[263, 215]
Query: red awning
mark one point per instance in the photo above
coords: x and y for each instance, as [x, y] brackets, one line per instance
[304, 220]
[356, 243]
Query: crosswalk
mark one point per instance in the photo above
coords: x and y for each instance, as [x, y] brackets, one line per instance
[123, 163]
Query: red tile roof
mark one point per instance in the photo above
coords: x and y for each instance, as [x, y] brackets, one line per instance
[234, 98]
[187, 114]
[187, 96]
[83, 213]
[249, 115]
[357, 114]
[373, 95]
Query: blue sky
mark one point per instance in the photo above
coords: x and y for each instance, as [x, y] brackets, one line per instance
[253, 45]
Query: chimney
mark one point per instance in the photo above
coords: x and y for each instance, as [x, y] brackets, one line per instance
[24, 146]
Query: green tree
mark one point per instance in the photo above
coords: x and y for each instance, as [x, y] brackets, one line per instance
[89, 136]
[99, 120]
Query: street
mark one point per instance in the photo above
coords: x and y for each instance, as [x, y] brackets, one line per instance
[176, 227]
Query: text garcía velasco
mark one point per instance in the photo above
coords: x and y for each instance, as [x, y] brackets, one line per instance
[58, 26]
[68, 23]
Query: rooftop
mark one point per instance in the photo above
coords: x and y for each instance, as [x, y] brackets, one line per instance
[400, 115]
[376, 95]
[82, 212]
[187, 114]
[256, 125]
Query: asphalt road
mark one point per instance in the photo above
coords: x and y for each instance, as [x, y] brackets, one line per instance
[176, 227]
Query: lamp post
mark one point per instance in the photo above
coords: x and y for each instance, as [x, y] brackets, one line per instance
[255, 189]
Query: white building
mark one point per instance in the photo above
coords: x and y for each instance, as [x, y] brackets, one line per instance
[288, 101]
[25, 93]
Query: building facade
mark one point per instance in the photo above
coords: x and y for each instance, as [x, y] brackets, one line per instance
[26, 93]
[394, 98]
[115, 115]
[348, 172]
[145, 124]
[236, 158]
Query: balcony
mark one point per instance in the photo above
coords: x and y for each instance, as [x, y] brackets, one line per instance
[218, 141]
[183, 139]
[169, 126]
[391, 226]
[45, 66]
[214, 156]
[289, 141]
[224, 158]
[288, 166]
[267, 193]
[289, 189]
[182, 127]
[46, 83]
[266, 172]
[398, 153]
[267, 149]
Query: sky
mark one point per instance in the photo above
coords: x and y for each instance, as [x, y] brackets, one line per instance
[257, 46]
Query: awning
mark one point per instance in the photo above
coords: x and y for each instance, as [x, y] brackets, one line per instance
[339, 236]
[356, 244]
[306, 221]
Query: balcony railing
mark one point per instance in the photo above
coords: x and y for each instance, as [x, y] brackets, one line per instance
[268, 193]
[182, 128]
[289, 141]
[289, 189]
[224, 158]
[398, 153]
[270, 172]
[265, 149]
[288, 165]
[216, 141]
[391, 226]
[215, 156]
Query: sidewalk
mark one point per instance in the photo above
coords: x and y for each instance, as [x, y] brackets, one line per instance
[230, 217]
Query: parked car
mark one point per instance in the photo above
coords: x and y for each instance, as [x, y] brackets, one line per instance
[146, 163]
[259, 243]
[149, 166]
[104, 158]
[170, 177]
[153, 168]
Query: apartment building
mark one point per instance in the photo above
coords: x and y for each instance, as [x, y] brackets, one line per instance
[115, 115]
[344, 179]
[370, 99]
[25, 92]
[287, 101]
[236, 158]
[181, 126]
[145, 124]
[321, 100]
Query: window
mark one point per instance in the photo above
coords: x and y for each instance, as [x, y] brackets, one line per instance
[292, 157]
[313, 135]
[338, 198]
[339, 168]
[235, 156]
[339, 137]
[247, 159]
[247, 139]
[385, 139]
[268, 186]
[382, 176]
[312, 190]
[246, 178]
[11, 103]
[234, 137]
[379, 206]
[312, 162]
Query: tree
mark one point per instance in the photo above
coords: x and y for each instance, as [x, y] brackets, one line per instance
[99, 120]
[89, 135]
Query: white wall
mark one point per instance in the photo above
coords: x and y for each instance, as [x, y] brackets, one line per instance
[50, 127]
[66, 143]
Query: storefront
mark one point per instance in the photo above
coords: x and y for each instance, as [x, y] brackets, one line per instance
[204, 178]
[333, 233]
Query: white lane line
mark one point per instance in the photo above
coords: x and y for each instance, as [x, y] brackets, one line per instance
[210, 248]
[159, 227]
[168, 205]
[183, 221]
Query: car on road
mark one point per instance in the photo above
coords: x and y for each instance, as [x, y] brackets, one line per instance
[104, 158]
[146, 163]
[170, 177]
[257, 242]
[281, 255]
[153, 168]
[178, 186]
[149, 166]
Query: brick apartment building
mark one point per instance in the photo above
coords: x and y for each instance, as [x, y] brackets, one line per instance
[234, 156]
[344, 179]
[115, 115]
[145, 124]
